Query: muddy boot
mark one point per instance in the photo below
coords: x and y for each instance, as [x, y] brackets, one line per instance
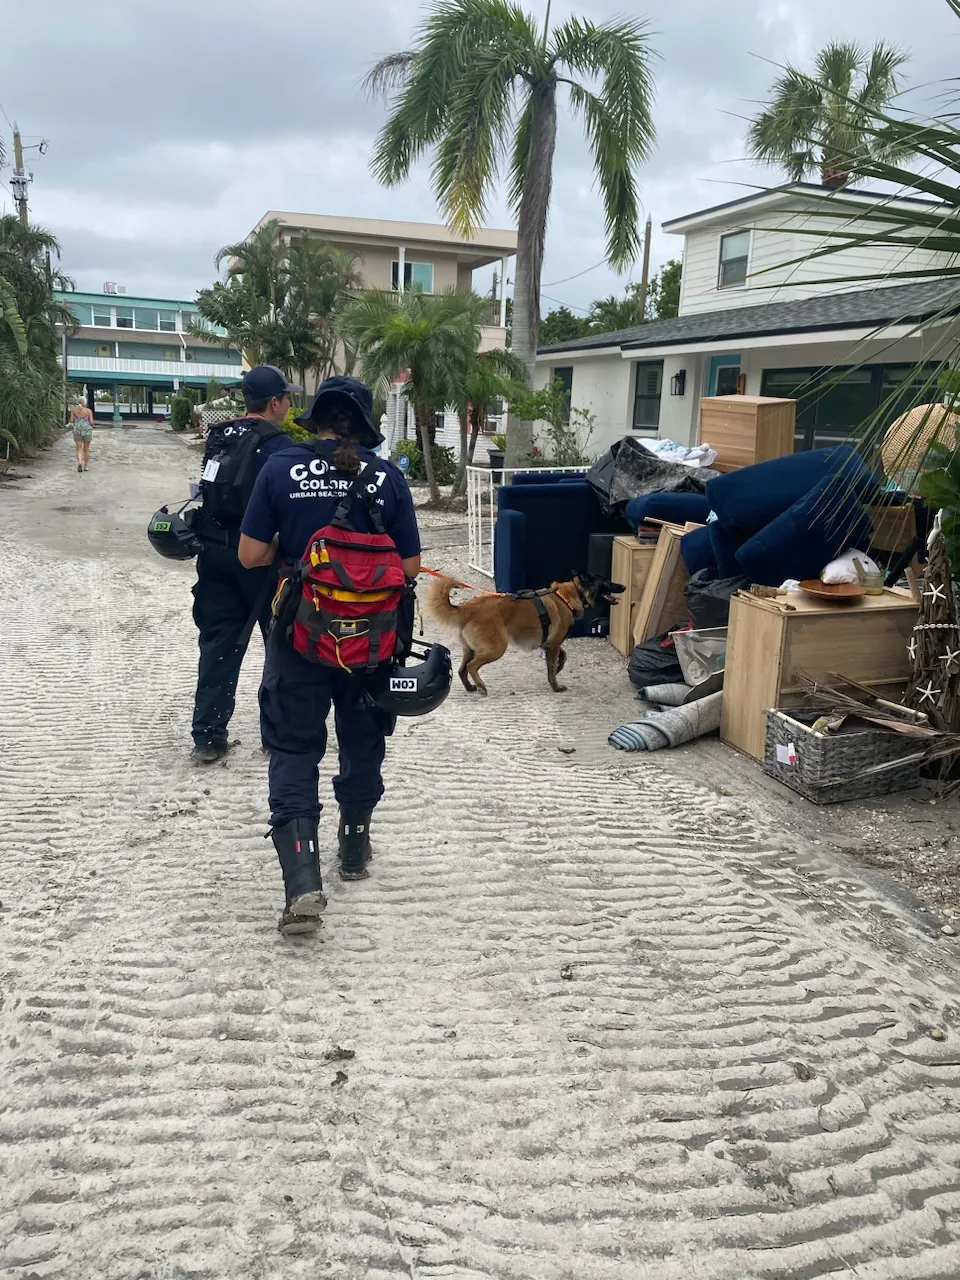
[297, 850]
[355, 851]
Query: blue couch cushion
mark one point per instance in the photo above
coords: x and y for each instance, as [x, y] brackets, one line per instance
[749, 499]
[678, 508]
[509, 550]
[725, 548]
[814, 531]
[696, 549]
[547, 477]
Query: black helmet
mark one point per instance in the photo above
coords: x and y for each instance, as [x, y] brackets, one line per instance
[172, 535]
[412, 690]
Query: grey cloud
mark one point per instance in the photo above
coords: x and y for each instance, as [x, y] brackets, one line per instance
[173, 126]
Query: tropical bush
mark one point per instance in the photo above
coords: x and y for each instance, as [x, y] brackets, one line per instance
[180, 409]
[568, 430]
[31, 379]
[444, 461]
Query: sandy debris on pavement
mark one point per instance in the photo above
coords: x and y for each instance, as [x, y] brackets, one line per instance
[593, 1017]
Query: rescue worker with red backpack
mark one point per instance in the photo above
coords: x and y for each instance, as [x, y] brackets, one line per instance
[344, 522]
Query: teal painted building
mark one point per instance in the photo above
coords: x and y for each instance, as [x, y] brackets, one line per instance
[138, 351]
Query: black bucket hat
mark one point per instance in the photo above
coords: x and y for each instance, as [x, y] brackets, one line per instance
[356, 400]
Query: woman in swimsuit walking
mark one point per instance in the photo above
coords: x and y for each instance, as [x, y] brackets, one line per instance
[81, 419]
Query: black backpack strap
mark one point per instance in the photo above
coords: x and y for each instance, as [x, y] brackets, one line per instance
[358, 489]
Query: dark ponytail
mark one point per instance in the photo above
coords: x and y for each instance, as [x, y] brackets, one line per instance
[345, 457]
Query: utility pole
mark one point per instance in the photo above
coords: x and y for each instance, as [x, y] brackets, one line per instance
[645, 277]
[20, 180]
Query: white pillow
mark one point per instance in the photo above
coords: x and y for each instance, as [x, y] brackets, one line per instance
[844, 570]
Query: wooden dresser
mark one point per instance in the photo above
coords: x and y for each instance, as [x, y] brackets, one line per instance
[747, 429]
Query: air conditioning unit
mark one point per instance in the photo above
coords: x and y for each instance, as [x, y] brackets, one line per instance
[121, 288]
[109, 287]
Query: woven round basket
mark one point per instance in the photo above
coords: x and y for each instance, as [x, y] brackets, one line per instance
[908, 439]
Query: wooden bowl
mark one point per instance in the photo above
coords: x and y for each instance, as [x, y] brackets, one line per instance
[833, 593]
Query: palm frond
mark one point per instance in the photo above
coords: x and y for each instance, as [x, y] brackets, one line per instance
[389, 74]
[618, 119]
[11, 316]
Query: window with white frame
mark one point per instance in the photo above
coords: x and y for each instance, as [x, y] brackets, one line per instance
[101, 315]
[734, 254]
[168, 322]
[416, 275]
[124, 317]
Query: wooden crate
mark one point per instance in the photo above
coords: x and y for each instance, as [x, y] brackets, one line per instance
[747, 429]
[663, 601]
[630, 565]
[767, 643]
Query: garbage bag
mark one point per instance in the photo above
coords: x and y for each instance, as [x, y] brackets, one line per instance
[655, 662]
[709, 598]
[628, 470]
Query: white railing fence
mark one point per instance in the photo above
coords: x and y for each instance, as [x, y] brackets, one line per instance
[482, 509]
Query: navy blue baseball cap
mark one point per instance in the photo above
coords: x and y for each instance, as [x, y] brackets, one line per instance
[264, 381]
[355, 399]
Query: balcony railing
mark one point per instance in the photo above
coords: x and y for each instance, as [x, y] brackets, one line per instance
[166, 368]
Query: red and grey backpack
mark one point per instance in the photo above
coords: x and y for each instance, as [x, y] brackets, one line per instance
[350, 587]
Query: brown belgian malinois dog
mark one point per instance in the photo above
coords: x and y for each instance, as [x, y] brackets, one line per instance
[530, 619]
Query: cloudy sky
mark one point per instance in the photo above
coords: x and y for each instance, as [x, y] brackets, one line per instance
[174, 126]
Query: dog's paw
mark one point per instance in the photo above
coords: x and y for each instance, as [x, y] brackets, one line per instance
[559, 688]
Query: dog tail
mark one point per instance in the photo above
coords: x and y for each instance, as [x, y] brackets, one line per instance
[438, 602]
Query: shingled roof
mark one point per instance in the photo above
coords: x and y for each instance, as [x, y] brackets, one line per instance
[858, 309]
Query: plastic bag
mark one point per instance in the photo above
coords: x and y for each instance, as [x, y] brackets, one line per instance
[628, 470]
[701, 654]
[844, 570]
[655, 662]
[709, 598]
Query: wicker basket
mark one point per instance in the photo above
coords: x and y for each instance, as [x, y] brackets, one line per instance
[907, 440]
[823, 766]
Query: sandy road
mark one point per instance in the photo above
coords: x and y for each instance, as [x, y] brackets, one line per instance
[589, 1020]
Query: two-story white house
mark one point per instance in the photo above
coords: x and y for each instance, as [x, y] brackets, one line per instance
[759, 316]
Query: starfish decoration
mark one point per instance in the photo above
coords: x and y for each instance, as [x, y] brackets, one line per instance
[912, 649]
[936, 592]
[928, 693]
[951, 659]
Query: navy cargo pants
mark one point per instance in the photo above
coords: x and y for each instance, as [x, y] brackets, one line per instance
[224, 596]
[295, 700]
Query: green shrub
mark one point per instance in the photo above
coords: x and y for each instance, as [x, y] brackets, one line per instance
[293, 429]
[444, 461]
[180, 408]
[214, 391]
[499, 442]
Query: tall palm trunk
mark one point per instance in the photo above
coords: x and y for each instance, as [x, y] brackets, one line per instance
[423, 416]
[531, 233]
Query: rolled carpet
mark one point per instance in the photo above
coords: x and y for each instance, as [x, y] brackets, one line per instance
[670, 728]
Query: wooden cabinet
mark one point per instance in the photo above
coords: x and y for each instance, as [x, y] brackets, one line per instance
[770, 640]
[747, 429]
[631, 566]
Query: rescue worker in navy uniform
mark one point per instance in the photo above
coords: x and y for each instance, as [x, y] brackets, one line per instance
[297, 493]
[226, 595]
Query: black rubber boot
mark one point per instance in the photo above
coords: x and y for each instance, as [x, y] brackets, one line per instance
[354, 837]
[298, 852]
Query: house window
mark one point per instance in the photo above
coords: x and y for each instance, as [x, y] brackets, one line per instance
[564, 374]
[168, 322]
[646, 399]
[416, 275]
[80, 312]
[124, 317]
[734, 251]
[146, 318]
[170, 354]
[101, 316]
[105, 349]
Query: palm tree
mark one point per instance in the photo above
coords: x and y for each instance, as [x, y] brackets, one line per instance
[432, 339]
[493, 375]
[818, 121]
[484, 80]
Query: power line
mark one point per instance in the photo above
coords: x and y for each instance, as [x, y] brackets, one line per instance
[5, 116]
[568, 305]
[551, 283]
